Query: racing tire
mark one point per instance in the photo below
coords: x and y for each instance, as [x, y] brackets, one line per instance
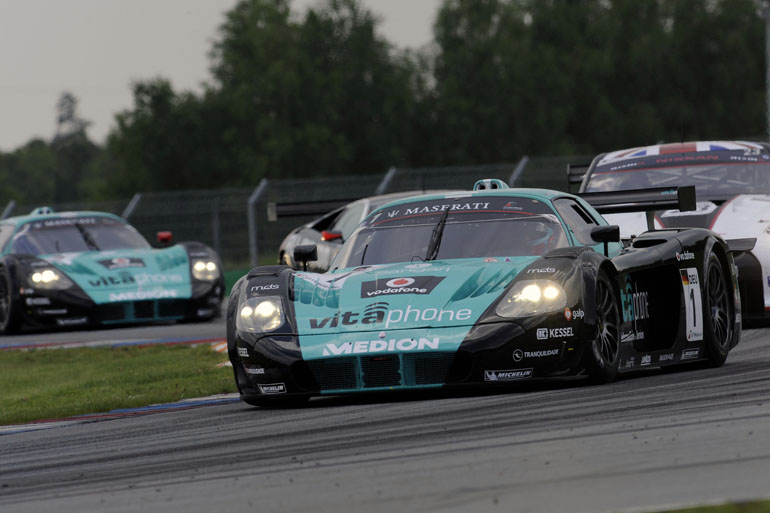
[9, 317]
[718, 333]
[603, 355]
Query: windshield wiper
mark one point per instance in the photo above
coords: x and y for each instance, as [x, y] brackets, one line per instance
[87, 237]
[435, 237]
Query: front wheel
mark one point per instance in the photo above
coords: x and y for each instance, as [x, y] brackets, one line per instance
[718, 328]
[9, 319]
[603, 357]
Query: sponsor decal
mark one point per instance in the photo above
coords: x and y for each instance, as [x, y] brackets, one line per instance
[273, 388]
[418, 266]
[685, 255]
[512, 206]
[690, 354]
[666, 357]
[489, 260]
[507, 375]
[380, 313]
[121, 263]
[440, 208]
[418, 285]
[541, 270]
[578, 313]
[381, 346]
[38, 301]
[646, 359]
[71, 221]
[243, 352]
[142, 294]
[75, 321]
[518, 355]
[692, 300]
[634, 303]
[546, 333]
[541, 354]
[141, 279]
[627, 336]
[630, 362]
[255, 289]
[254, 371]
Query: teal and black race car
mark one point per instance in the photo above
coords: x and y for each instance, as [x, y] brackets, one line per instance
[92, 268]
[487, 286]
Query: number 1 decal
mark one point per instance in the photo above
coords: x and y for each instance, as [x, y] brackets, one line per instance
[693, 308]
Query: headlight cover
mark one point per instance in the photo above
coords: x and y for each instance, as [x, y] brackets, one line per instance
[532, 297]
[48, 279]
[205, 270]
[259, 314]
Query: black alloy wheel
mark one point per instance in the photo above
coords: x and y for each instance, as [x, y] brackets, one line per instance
[718, 311]
[8, 323]
[604, 356]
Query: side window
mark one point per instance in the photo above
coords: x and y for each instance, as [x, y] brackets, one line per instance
[6, 230]
[349, 220]
[578, 220]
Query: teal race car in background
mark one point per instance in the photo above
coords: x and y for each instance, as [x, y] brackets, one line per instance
[92, 268]
[489, 286]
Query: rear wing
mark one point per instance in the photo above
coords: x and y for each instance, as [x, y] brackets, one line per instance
[575, 173]
[643, 200]
[304, 208]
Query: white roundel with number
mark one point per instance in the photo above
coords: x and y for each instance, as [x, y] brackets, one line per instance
[694, 309]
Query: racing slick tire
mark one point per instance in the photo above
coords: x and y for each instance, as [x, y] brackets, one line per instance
[718, 314]
[9, 317]
[603, 355]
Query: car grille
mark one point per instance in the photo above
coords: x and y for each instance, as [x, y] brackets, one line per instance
[137, 311]
[386, 371]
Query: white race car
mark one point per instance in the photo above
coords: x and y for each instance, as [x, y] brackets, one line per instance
[732, 182]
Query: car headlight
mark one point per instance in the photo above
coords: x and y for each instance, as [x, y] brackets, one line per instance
[49, 279]
[531, 297]
[259, 314]
[205, 270]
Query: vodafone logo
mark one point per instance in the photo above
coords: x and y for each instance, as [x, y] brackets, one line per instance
[402, 285]
[399, 282]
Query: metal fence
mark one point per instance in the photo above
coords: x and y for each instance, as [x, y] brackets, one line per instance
[235, 221]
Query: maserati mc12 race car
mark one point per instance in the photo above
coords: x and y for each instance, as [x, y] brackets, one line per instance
[92, 268]
[493, 285]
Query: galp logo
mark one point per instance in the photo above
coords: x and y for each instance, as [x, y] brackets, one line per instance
[403, 285]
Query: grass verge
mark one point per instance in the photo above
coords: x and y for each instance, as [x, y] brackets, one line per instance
[737, 507]
[49, 383]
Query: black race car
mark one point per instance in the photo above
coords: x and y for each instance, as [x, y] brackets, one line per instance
[486, 286]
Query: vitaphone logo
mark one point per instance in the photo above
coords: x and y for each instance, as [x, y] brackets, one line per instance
[139, 279]
[416, 285]
[634, 303]
[379, 313]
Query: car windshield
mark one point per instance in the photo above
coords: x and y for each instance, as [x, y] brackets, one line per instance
[76, 234]
[477, 227]
[711, 180]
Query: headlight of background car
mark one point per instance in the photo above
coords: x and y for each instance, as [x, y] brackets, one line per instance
[49, 279]
[259, 314]
[532, 297]
[205, 270]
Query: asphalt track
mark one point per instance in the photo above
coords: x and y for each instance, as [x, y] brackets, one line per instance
[646, 441]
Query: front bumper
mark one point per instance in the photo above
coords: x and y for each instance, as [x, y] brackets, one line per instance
[486, 353]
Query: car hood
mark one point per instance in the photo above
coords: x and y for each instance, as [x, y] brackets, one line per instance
[127, 274]
[401, 296]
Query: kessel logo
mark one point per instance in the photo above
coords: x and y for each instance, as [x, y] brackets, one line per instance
[418, 285]
[121, 263]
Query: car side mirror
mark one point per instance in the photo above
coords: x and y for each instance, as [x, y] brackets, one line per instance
[606, 234]
[306, 253]
[327, 236]
[164, 237]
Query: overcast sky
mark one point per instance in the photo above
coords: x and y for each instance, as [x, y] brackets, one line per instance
[96, 48]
